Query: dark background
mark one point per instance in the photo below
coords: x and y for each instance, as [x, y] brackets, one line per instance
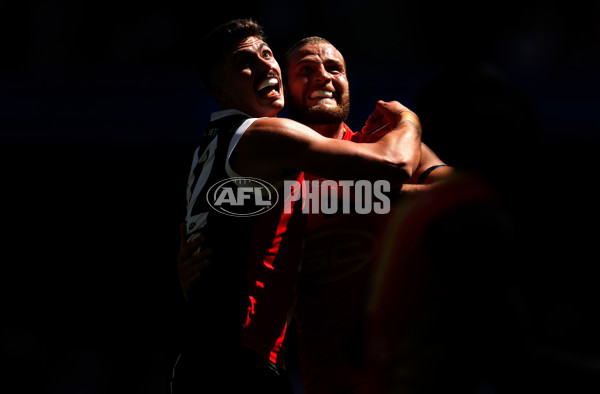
[100, 109]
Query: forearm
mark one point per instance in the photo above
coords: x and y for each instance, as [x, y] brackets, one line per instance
[301, 148]
[394, 157]
[346, 160]
[434, 173]
[431, 168]
[402, 145]
[408, 189]
[272, 146]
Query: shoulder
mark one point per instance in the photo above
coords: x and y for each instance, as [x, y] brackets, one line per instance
[274, 124]
[280, 128]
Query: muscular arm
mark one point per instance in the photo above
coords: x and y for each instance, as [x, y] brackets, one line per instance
[429, 159]
[271, 146]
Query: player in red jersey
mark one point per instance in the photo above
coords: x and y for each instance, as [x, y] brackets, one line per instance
[339, 250]
[406, 301]
[241, 302]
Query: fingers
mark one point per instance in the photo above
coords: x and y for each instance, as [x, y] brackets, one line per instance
[375, 120]
[183, 242]
[191, 259]
[192, 254]
[390, 108]
[192, 271]
[182, 235]
[380, 128]
[187, 249]
[385, 112]
[391, 112]
[190, 268]
[200, 255]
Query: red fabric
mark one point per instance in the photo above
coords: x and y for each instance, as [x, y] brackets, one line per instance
[331, 294]
[272, 278]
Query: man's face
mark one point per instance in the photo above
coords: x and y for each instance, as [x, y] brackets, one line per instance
[316, 85]
[250, 79]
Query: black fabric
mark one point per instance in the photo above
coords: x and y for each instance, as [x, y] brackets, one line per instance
[193, 375]
[426, 173]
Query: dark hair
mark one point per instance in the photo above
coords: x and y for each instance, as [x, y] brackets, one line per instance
[222, 38]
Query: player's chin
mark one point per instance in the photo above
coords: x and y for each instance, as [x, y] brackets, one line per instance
[327, 108]
[323, 103]
[270, 107]
[324, 115]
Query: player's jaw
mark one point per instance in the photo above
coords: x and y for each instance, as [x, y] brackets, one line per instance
[268, 91]
[258, 94]
[326, 103]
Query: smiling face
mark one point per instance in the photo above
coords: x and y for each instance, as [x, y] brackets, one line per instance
[316, 85]
[249, 79]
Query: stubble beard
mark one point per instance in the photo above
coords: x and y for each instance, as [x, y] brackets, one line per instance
[320, 114]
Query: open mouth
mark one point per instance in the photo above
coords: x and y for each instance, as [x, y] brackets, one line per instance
[268, 88]
[321, 94]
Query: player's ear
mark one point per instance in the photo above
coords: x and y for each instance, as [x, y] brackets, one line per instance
[219, 93]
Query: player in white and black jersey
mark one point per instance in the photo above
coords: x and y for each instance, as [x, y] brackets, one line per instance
[253, 247]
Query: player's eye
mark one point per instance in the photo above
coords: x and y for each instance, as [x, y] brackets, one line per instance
[305, 69]
[243, 62]
[334, 69]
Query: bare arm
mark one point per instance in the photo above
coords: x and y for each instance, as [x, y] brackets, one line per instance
[422, 181]
[438, 170]
[272, 146]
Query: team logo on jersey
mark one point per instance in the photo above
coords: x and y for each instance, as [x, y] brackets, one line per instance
[242, 196]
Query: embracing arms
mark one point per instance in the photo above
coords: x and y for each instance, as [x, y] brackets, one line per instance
[273, 146]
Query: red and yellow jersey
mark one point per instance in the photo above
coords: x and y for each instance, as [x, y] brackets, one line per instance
[331, 294]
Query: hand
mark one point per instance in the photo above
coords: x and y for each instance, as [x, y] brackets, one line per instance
[387, 115]
[190, 260]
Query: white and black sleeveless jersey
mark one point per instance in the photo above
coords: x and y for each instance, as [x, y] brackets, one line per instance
[219, 297]
[257, 244]
[210, 168]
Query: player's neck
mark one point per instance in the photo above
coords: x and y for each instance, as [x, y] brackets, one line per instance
[329, 130]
